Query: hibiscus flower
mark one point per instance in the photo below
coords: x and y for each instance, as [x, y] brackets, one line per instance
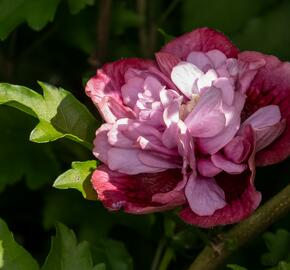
[188, 129]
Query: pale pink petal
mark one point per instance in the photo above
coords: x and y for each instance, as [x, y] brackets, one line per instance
[236, 211]
[227, 89]
[207, 168]
[206, 119]
[159, 161]
[201, 39]
[167, 96]
[238, 149]
[101, 144]
[200, 60]
[184, 76]
[207, 79]
[264, 117]
[233, 119]
[152, 87]
[169, 136]
[127, 161]
[217, 57]
[265, 136]
[227, 165]
[133, 193]
[204, 195]
[109, 80]
[130, 91]
[240, 194]
[171, 113]
[166, 62]
[111, 110]
[146, 144]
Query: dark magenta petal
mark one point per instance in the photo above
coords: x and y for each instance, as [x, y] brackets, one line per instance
[202, 39]
[133, 193]
[270, 86]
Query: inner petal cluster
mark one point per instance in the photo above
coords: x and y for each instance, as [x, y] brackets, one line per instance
[187, 119]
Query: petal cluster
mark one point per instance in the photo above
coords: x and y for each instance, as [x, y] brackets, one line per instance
[186, 129]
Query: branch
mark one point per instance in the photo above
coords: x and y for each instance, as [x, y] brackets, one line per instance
[215, 254]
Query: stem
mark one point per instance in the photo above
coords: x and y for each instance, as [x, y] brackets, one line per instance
[214, 255]
[158, 254]
[167, 257]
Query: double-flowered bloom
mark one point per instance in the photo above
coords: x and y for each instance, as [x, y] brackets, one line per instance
[188, 129]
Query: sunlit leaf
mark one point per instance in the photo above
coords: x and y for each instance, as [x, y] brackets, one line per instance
[60, 114]
[78, 178]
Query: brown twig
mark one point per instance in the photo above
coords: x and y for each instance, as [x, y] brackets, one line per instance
[103, 29]
[214, 255]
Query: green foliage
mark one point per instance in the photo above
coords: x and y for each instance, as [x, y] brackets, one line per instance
[12, 255]
[281, 266]
[114, 253]
[278, 245]
[66, 253]
[19, 157]
[60, 114]
[78, 178]
[236, 267]
[37, 13]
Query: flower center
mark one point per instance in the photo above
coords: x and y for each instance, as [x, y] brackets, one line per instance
[185, 109]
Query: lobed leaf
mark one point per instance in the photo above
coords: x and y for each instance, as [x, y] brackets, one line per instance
[12, 255]
[66, 253]
[78, 178]
[60, 114]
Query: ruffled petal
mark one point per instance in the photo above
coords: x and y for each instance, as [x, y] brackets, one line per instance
[133, 193]
[240, 195]
[101, 143]
[109, 80]
[208, 109]
[203, 40]
[270, 86]
[184, 76]
[204, 196]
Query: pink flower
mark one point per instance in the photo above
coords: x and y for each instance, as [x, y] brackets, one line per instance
[187, 129]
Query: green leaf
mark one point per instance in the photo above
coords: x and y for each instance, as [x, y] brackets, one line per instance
[278, 245]
[60, 114]
[236, 267]
[19, 157]
[66, 253]
[78, 178]
[100, 266]
[77, 5]
[113, 253]
[281, 266]
[12, 255]
[37, 13]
